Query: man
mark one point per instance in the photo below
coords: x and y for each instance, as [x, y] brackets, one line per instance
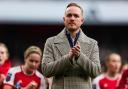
[109, 79]
[26, 76]
[71, 57]
[5, 63]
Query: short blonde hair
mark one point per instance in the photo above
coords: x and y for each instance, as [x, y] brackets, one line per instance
[32, 49]
[76, 5]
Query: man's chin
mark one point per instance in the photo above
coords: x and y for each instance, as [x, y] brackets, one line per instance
[72, 29]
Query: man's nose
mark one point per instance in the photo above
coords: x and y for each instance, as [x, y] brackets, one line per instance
[72, 17]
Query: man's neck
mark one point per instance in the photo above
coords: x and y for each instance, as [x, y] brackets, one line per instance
[73, 33]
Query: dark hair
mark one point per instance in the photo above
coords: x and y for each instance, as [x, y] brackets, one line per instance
[75, 4]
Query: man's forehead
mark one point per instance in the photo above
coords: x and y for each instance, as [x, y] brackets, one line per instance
[73, 9]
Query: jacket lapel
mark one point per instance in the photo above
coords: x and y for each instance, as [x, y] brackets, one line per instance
[84, 43]
[61, 43]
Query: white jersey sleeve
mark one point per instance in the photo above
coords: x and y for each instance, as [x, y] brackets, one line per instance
[95, 83]
[43, 82]
[9, 80]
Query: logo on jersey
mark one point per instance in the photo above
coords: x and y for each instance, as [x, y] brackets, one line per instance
[8, 77]
[18, 84]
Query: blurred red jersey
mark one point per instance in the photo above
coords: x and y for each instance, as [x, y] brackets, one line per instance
[123, 84]
[108, 83]
[4, 69]
[17, 78]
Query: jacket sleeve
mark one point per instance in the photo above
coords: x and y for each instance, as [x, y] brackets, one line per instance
[90, 65]
[52, 66]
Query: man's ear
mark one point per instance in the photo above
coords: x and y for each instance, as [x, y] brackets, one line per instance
[63, 18]
[82, 20]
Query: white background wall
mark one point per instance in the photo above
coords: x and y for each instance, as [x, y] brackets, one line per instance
[36, 11]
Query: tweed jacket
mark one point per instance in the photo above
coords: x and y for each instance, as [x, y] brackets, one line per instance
[67, 75]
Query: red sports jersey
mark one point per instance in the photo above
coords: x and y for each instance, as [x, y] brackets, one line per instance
[107, 83]
[123, 84]
[95, 83]
[17, 78]
[4, 69]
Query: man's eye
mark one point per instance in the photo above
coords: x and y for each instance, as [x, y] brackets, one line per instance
[76, 16]
[69, 15]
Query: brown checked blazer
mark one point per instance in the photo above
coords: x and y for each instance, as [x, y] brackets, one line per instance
[67, 75]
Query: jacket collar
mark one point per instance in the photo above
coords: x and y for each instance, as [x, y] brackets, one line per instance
[62, 44]
[61, 37]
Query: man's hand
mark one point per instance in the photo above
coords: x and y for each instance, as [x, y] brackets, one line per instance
[71, 55]
[76, 49]
[74, 52]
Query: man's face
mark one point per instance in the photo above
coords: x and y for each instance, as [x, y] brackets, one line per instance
[73, 18]
[33, 61]
[3, 55]
[114, 63]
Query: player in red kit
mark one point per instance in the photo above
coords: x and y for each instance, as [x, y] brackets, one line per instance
[5, 63]
[109, 79]
[26, 76]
